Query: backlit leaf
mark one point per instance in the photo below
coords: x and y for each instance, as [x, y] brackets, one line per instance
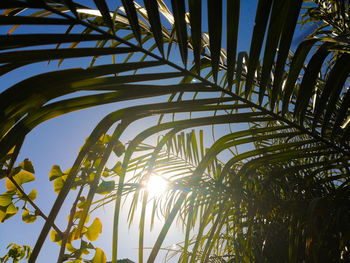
[54, 236]
[94, 230]
[81, 203]
[32, 195]
[20, 178]
[11, 209]
[5, 199]
[2, 216]
[27, 166]
[73, 235]
[55, 172]
[78, 215]
[70, 247]
[58, 183]
[27, 217]
[99, 257]
[25, 177]
[117, 168]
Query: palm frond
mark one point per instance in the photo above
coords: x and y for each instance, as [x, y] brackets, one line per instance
[290, 110]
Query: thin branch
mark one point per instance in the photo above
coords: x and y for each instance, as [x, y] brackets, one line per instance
[37, 209]
[61, 256]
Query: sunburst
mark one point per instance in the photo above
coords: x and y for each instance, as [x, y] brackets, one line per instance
[156, 185]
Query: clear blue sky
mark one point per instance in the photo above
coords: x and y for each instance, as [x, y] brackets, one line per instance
[58, 141]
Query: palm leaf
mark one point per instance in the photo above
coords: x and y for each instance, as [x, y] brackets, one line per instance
[292, 154]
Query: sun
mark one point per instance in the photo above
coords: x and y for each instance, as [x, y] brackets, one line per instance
[156, 185]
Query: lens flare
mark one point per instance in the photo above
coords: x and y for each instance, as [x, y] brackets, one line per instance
[156, 185]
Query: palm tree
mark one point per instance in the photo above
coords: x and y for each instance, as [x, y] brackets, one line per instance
[283, 198]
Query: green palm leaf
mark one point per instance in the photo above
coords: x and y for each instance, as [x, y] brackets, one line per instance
[285, 149]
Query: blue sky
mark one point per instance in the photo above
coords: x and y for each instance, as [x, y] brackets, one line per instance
[57, 141]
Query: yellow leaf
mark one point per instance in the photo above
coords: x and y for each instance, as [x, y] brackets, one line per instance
[94, 230]
[71, 236]
[97, 162]
[27, 166]
[87, 163]
[106, 174]
[11, 209]
[28, 218]
[78, 214]
[99, 257]
[118, 168]
[2, 216]
[81, 203]
[33, 194]
[58, 183]
[20, 178]
[85, 251]
[55, 172]
[74, 234]
[105, 138]
[5, 199]
[54, 236]
[70, 247]
[12, 150]
[91, 177]
[25, 177]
